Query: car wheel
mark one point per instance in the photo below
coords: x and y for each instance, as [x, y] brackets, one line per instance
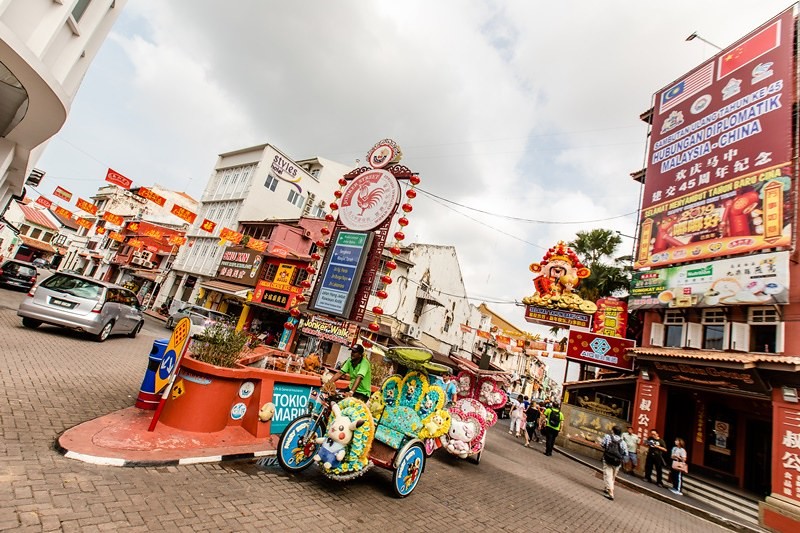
[105, 332]
[136, 330]
[31, 323]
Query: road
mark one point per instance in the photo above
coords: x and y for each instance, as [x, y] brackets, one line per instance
[53, 379]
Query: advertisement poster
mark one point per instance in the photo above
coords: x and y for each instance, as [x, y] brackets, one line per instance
[239, 266]
[600, 350]
[290, 402]
[611, 317]
[718, 178]
[760, 279]
[342, 273]
[329, 329]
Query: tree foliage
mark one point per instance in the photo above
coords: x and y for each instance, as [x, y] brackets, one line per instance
[610, 274]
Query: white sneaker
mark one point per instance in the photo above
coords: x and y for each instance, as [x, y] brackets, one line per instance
[679, 493]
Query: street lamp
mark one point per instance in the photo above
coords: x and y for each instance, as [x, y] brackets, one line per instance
[623, 235]
[694, 36]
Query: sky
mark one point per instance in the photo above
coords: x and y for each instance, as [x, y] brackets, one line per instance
[526, 110]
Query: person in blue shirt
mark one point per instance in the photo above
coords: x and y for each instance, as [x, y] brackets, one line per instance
[451, 391]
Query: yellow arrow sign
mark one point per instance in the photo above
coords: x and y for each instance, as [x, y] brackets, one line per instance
[173, 353]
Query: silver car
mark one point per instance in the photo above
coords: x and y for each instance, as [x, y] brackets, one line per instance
[201, 318]
[82, 303]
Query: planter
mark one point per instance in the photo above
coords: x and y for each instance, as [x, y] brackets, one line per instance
[208, 398]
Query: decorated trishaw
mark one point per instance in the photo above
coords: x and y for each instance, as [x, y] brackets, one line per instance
[346, 436]
[479, 393]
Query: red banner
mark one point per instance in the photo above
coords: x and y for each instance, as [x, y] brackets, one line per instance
[60, 211]
[229, 235]
[176, 240]
[44, 201]
[465, 328]
[611, 317]
[600, 350]
[118, 179]
[208, 225]
[483, 334]
[136, 243]
[113, 219]
[84, 223]
[62, 193]
[719, 173]
[100, 230]
[183, 213]
[153, 197]
[133, 227]
[115, 236]
[153, 233]
[257, 245]
[84, 205]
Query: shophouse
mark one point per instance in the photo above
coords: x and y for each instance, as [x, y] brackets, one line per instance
[716, 270]
[256, 183]
[46, 48]
[36, 231]
[67, 232]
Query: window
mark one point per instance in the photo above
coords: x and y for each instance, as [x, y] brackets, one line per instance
[269, 273]
[229, 214]
[271, 183]
[418, 309]
[764, 329]
[296, 198]
[35, 233]
[673, 328]
[448, 321]
[226, 176]
[80, 9]
[713, 329]
[47, 237]
[24, 229]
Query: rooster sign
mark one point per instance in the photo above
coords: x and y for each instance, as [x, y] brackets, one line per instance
[369, 199]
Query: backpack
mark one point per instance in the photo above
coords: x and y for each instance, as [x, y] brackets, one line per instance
[613, 455]
[554, 418]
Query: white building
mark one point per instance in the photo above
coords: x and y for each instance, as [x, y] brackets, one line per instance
[256, 183]
[46, 46]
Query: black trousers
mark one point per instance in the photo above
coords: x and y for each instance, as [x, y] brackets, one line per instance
[550, 435]
[650, 462]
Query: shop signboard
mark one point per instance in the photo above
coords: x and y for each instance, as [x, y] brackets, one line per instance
[704, 375]
[786, 462]
[600, 350]
[290, 402]
[611, 317]
[759, 279]
[239, 265]
[330, 329]
[557, 317]
[341, 273]
[719, 173]
[645, 406]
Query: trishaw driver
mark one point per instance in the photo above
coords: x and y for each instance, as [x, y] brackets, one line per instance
[360, 372]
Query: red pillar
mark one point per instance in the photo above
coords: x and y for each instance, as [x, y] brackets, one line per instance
[781, 510]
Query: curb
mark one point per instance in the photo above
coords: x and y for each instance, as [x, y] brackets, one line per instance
[702, 513]
[116, 461]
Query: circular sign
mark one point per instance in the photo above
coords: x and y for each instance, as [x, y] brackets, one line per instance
[167, 364]
[369, 199]
[238, 411]
[246, 390]
[381, 156]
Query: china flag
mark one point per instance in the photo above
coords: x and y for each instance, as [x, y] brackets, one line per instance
[759, 44]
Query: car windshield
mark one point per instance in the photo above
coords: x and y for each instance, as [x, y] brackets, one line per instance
[75, 286]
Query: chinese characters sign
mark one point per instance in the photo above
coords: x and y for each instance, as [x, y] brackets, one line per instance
[118, 179]
[239, 266]
[611, 317]
[44, 202]
[153, 197]
[786, 456]
[62, 193]
[600, 350]
[645, 407]
[760, 279]
[208, 225]
[183, 213]
[113, 219]
[86, 206]
[60, 211]
[718, 180]
[547, 316]
[227, 234]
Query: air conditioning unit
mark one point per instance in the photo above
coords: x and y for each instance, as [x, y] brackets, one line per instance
[147, 256]
[137, 261]
[322, 204]
[413, 331]
[148, 264]
[137, 253]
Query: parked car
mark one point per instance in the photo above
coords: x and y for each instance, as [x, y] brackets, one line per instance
[200, 316]
[18, 274]
[85, 304]
[41, 263]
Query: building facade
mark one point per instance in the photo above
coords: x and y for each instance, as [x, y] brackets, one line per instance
[46, 47]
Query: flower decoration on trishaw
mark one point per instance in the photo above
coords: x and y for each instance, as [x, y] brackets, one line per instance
[560, 272]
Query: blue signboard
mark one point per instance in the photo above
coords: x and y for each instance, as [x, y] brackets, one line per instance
[341, 273]
[290, 402]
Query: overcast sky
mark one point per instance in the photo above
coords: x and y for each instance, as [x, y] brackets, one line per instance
[522, 108]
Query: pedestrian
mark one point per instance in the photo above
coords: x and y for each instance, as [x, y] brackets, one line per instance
[679, 466]
[614, 453]
[656, 447]
[531, 423]
[517, 414]
[451, 391]
[632, 443]
[553, 419]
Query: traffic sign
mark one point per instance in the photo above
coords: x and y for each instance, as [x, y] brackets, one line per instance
[173, 353]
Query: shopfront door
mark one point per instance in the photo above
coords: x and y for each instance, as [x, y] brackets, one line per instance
[757, 467]
[720, 452]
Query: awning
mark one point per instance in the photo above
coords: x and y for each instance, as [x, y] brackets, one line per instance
[426, 296]
[37, 244]
[240, 291]
[741, 359]
[145, 274]
[599, 383]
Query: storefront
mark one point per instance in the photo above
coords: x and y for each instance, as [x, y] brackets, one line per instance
[723, 405]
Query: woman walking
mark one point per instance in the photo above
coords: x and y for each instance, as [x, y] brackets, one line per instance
[679, 466]
[516, 415]
[531, 423]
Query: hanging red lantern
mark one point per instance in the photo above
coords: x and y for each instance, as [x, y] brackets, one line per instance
[337, 194]
[395, 250]
[334, 206]
[374, 327]
[315, 256]
[328, 218]
[411, 193]
[403, 221]
[342, 182]
[391, 265]
[378, 310]
[288, 325]
[382, 294]
[399, 235]
[311, 270]
[295, 312]
[324, 230]
[386, 279]
[414, 180]
[306, 284]
[300, 298]
[320, 243]
[407, 208]
[366, 343]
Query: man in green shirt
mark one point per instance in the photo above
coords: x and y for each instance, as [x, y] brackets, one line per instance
[360, 372]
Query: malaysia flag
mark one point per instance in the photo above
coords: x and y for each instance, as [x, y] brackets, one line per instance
[687, 87]
[756, 46]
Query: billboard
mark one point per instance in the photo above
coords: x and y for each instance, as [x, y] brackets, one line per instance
[600, 350]
[761, 279]
[239, 265]
[341, 273]
[719, 176]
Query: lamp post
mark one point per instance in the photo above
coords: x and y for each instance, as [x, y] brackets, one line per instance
[694, 36]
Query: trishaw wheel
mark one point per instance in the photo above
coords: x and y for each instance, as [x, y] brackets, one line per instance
[409, 470]
[475, 459]
[296, 448]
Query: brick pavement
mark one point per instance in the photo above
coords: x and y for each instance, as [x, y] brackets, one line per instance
[53, 379]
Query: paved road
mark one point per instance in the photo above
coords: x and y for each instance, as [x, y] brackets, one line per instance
[52, 379]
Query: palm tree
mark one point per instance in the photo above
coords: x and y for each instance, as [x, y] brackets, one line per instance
[609, 274]
[592, 246]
